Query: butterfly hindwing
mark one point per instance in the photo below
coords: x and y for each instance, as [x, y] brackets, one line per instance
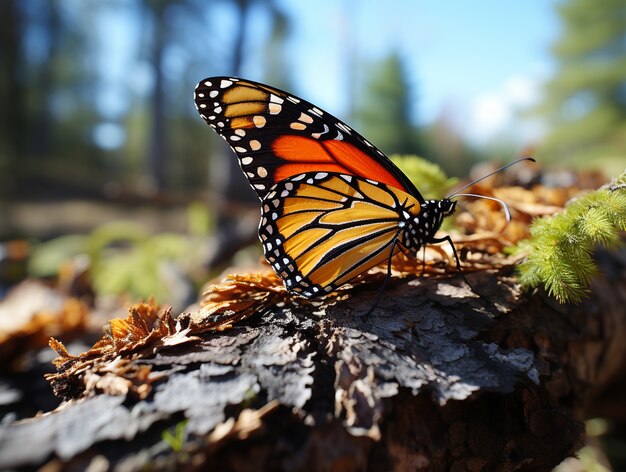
[277, 135]
[319, 230]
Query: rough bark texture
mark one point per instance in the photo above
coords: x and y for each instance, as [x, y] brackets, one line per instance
[435, 378]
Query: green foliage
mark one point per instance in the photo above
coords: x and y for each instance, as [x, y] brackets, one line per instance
[125, 259]
[429, 178]
[46, 258]
[250, 396]
[200, 221]
[584, 102]
[176, 439]
[560, 247]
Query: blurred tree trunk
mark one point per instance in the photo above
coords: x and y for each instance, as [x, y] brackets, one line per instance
[12, 126]
[43, 122]
[243, 7]
[229, 179]
[225, 174]
[158, 148]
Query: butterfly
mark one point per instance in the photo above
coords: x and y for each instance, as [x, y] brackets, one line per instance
[332, 204]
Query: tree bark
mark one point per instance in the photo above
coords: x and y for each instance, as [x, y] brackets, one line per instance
[436, 377]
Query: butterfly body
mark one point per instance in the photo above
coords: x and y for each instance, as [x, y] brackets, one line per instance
[332, 205]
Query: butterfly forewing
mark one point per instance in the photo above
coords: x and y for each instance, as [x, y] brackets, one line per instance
[320, 230]
[276, 136]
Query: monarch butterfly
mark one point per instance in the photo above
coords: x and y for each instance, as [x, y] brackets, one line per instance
[332, 204]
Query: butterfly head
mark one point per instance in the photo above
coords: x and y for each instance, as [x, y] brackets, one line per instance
[447, 207]
[434, 211]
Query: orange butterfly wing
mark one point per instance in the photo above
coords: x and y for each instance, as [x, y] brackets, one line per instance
[277, 135]
[320, 230]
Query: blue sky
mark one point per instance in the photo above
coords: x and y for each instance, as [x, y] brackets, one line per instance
[478, 60]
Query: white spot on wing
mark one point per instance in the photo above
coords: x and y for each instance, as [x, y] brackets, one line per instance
[305, 118]
[344, 127]
[274, 108]
[276, 99]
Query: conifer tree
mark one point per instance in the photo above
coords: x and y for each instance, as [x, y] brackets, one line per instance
[383, 114]
[585, 101]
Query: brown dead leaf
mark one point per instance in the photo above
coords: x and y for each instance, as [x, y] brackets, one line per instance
[249, 422]
[32, 313]
[113, 365]
[138, 335]
[145, 324]
[235, 299]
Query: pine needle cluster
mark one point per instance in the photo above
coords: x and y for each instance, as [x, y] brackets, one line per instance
[560, 249]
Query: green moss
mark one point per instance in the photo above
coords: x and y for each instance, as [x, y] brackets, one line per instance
[430, 180]
[560, 249]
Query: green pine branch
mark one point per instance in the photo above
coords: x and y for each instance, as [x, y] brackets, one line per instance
[560, 249]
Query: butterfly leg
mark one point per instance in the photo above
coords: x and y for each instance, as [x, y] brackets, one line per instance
[448, 239]
[387, 277]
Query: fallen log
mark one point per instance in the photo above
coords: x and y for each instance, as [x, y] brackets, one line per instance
[436, 377]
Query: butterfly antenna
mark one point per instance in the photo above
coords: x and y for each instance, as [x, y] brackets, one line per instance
[491, 173]
[505, 207]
